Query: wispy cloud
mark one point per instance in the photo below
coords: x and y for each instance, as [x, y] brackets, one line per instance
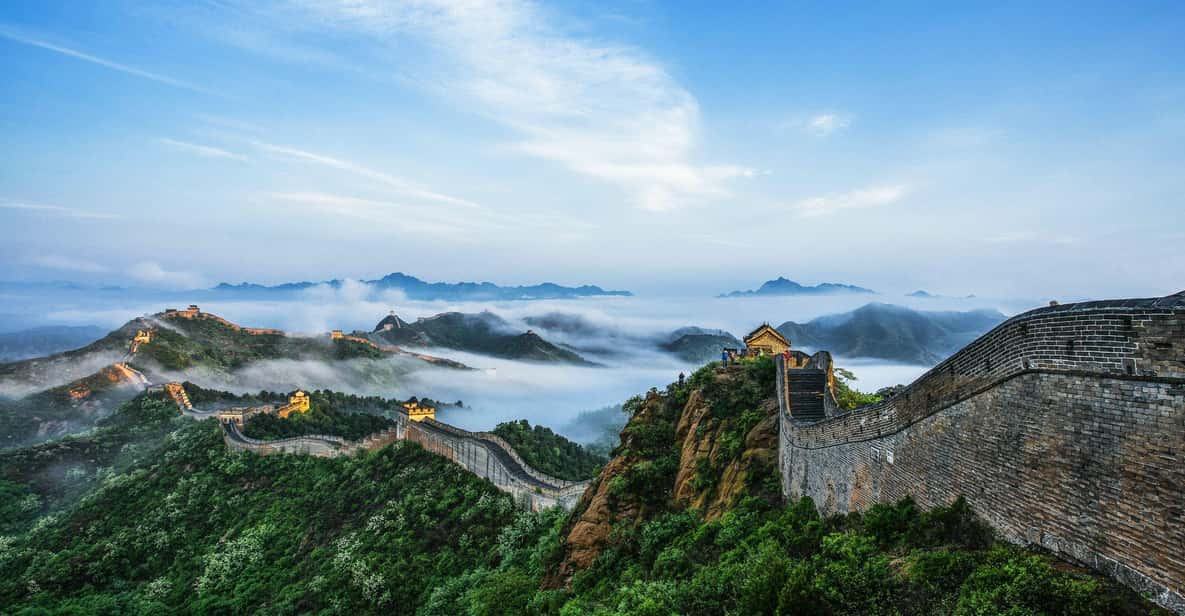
[57, 210]
[422, 218]
[15, 35]
[71, 264]
[864, 198]
[820, 124]
[599, 109]
[152, 273]
[405, 217]
[202, 150]
[402, 186]
[1023, 237]
[825, 124]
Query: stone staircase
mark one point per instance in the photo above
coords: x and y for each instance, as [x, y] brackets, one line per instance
[806, 389]
[177, 393]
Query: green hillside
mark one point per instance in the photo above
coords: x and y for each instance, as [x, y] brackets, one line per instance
[483, 333]
[700, 348]
[549, 452]
[160, 519]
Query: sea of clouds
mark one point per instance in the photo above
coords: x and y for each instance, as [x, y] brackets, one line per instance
[625, 330]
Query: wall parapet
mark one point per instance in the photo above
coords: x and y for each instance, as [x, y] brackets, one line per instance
[1138, 339]
[1064, 427]
[484, 454]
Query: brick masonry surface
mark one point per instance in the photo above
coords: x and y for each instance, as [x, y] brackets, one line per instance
[1063, 427]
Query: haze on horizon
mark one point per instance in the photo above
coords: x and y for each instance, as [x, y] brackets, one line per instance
[650, 146]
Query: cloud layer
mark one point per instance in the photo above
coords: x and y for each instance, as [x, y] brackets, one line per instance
[599, 109]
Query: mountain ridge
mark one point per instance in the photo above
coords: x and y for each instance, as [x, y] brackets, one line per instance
[887, 331]
[417, 289]
[484, 333]
[782, 286]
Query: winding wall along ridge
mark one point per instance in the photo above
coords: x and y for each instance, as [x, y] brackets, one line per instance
[481, 453]
[1063, 427]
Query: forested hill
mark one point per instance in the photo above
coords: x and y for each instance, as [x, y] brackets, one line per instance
[896, 333]
[549, 452]
[150, 514]
[484, 333]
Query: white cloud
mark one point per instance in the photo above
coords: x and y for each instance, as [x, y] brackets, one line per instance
[597, 108]
[1018, 237]
[404, 217]
[865, 198]
[402, 186]
[201, 150]
[1011, 237]
[152, 273]
[14, 35]
[61, 262]
[57, 210]
[825, 124]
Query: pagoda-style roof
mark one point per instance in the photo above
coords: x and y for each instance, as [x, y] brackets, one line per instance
[765, 329]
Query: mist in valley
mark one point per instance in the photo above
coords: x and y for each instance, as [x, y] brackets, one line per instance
[621, 334]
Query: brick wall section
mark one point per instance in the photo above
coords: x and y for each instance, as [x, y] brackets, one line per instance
[481, 453]
[1063, 427]
[494, 459]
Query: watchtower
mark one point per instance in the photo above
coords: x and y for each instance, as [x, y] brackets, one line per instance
[297, 403]
[418, 412]
[765, 340]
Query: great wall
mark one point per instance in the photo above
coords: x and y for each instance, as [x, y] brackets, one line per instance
[482, 453]
[1063, 427]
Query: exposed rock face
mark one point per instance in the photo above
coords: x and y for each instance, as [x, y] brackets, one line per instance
[600, 508]
[591, 530]
[700, 444]
[711, 475]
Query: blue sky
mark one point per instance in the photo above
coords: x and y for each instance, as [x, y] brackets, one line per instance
[1004, 149]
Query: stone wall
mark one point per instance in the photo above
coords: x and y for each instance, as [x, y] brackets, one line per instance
[193, 314]
[481, 453]
[496, 460]
[1063, 427]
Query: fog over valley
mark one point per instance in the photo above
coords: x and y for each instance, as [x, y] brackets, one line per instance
[622, 336]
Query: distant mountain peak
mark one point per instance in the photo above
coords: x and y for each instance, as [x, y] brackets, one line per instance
[389, 322]
[889, 331]
[417, 289]
[784, 286]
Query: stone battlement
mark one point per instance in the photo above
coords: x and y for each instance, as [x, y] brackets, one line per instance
[482, 453]
[192, 313]
[1063, 427]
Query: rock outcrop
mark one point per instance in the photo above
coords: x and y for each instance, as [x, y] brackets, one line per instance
[689, 447]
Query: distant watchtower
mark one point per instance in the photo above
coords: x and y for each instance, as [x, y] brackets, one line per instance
[766, 340]
[297, 403]
[418, 412]
[336, 335]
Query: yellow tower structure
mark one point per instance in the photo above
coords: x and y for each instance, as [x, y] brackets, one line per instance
[336, 334]
[143, 336]
[766, 340]
[416, 412]
[297, 403]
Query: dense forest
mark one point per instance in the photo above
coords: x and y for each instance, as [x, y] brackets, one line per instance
[166, 521]
[330, 413]
[549, 452]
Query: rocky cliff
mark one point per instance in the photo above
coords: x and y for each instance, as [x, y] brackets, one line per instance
[702, 444]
